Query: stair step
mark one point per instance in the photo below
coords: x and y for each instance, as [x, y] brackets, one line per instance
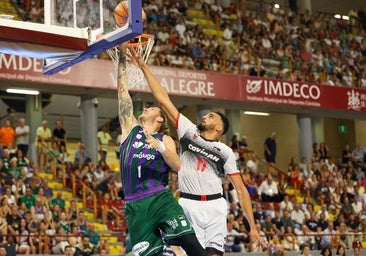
[67, 195]
[116, 249]
[204, 22]
[100, 227]
[45, 175]
[55, 185]
[212, 32]
[290, 191]
[79, 204]
[111, 239]
[195, 12]
[89, 215]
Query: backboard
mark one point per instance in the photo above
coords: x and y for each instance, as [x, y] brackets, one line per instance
[68, 35]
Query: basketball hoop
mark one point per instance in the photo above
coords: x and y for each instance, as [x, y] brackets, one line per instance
[143, 45]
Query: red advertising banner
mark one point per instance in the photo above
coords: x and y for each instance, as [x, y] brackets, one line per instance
[95, 73]
[198, 83]
[272, 91]
[91, 73]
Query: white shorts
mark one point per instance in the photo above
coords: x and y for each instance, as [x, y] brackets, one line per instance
[208, 219]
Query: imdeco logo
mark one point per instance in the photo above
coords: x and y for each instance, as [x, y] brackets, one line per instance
[284, 89]
[254, 86]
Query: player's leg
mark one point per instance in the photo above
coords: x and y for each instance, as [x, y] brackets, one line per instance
[145, 238]
[191, 245]
[214, 214]
[177, 250]
[177, 227]
[193, 209]
[214, 252]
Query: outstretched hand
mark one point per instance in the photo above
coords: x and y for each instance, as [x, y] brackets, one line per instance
[136, 58]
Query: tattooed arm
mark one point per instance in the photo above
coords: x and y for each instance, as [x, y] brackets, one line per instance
[125, 106]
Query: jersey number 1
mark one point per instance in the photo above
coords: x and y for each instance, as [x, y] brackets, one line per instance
[201, 164]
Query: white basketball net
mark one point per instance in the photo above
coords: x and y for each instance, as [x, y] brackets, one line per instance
[143, 47]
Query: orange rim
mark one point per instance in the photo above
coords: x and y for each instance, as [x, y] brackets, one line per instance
[146, 39]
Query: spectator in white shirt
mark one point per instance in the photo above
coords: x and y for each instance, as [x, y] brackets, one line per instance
[22, 136]
[286, 205]
[180, 27]
[324, 210]
[305, 236]
[356, 204]
[231, 234]
[268, 191]
[328, 233]
[358, 154]
[252, 163]
[297, 216]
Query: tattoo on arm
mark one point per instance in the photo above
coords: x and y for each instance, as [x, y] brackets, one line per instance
[125, 109]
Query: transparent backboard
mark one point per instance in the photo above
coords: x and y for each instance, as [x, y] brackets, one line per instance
[98, 16]
[76, 13]
[66, 23]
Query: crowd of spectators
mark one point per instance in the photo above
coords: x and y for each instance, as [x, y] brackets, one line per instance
[328, 206]
[35, 218]
[309, 46]
[320, 203]
[252, 38]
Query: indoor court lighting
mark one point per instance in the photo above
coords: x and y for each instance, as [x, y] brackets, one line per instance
[277, 6]
[345, 17]
[22, 91]
[337, 16]
[254, 113]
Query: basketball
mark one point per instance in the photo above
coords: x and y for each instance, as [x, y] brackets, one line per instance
[121, 13]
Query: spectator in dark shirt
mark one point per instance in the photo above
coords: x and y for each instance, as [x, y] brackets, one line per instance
[48, 192]
[227, 194]
[59, 134]
[312, 222]
[270, 148]
[13, 221]
[322, 222]
[85, 248]
[259, 214]
[286, 220]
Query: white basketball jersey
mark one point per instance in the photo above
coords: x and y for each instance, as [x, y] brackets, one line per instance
[203, 162]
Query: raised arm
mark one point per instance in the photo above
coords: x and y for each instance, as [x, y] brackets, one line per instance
[125, 106]
[159, 93]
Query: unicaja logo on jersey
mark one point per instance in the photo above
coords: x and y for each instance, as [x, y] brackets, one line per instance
[137, 144]
[140, 248]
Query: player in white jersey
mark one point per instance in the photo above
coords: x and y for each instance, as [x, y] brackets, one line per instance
[204, 160]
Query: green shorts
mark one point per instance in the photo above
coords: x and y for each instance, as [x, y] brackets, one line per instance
[152, 219]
